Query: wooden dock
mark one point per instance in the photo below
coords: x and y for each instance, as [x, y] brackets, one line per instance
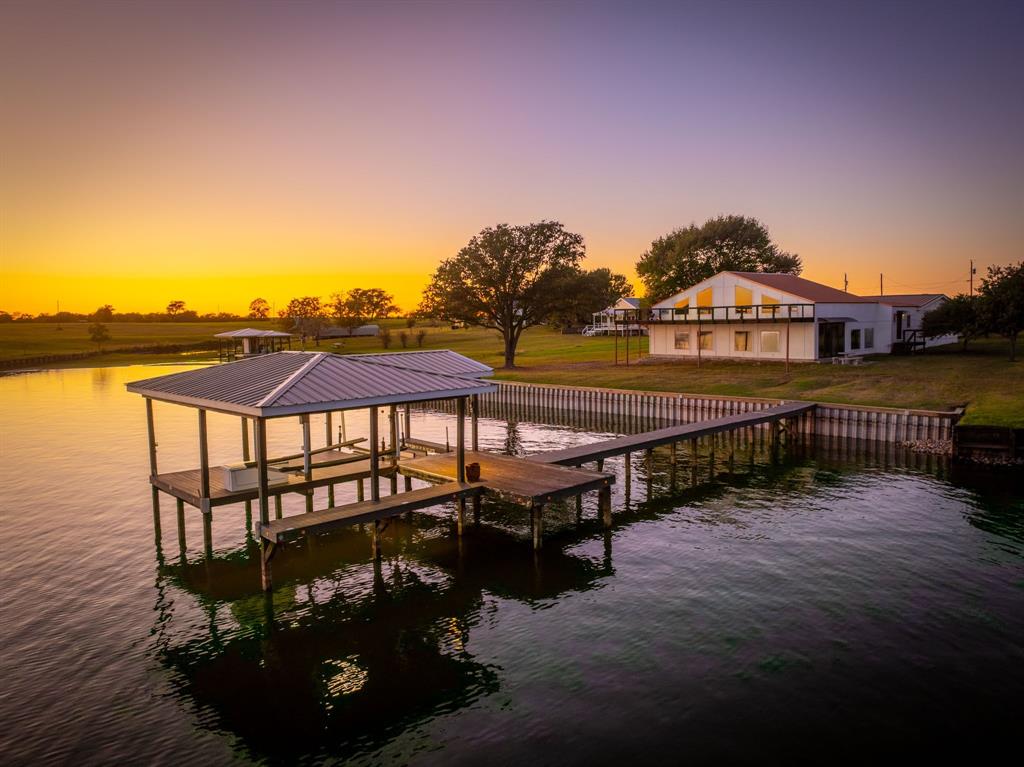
[331, 470]
[598, 451]
[510, 478]
[325, 520]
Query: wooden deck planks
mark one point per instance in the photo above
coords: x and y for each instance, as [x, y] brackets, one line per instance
[289, 528]
[574, 456]
[185, 484]
[510, 478]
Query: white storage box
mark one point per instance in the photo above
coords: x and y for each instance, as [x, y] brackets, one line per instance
[238, 476]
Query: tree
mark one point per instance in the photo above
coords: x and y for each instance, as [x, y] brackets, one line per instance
[590, 292]
[259, 309]
[1002, 302]
[104, 314]
[307, 316]
[960, 315]
[175, 308]
[507, 278]
[354, 308]
[727, 243]
[99, 334]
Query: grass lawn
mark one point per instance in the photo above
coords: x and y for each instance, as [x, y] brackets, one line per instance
[938, 379]
[25, 339]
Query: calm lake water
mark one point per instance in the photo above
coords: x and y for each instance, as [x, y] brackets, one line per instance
[833, 605]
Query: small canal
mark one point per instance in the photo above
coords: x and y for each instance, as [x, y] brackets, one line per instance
[842, 600]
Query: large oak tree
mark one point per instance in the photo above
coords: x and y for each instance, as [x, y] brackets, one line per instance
[507, 278]
[727, 243]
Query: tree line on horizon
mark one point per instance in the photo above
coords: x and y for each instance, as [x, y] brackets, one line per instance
[509, 278]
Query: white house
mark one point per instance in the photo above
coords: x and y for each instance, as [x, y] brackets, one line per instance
[624, 310]
[767, 316]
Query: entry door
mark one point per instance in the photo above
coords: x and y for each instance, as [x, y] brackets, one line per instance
[831, 339]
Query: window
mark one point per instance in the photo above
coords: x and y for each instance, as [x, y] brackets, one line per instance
[682, 307]
[706, 340]
[741, 340]
[744, 296]
[769, 340]
[869, 338]
[704, 298]
[855, 339]
[683, 339]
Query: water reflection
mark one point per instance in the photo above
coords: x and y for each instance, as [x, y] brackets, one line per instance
[742, 596]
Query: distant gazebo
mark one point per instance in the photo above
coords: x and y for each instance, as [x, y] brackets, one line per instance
[249, 342]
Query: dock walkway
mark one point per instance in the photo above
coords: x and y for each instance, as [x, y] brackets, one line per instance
[324, 520]
[510, 478]
[598, 451]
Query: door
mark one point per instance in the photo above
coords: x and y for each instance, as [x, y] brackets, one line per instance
[831, 339]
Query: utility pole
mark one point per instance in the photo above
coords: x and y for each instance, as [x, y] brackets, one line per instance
[971, 279]
[846, 284]
[881, 286]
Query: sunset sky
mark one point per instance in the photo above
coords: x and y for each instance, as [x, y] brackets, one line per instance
[215, 152]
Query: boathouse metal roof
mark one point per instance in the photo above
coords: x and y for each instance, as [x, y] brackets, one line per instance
[252, 333]
[441, 361]
[291, 383]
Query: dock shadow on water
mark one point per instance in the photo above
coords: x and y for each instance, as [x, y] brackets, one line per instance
[827, 601]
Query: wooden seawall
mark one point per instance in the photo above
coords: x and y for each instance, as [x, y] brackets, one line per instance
[624, 410]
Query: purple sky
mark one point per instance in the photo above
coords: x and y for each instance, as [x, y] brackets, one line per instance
[215, 151]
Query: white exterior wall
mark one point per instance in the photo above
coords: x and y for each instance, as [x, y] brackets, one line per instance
[802, 339]
[863, 316]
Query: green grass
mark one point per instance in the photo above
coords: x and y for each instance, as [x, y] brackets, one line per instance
[20, 339]
[940, 379]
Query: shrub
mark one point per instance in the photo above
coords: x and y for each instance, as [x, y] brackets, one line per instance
[410, 322]
[421, 336]
[385, 338]
[403, 337]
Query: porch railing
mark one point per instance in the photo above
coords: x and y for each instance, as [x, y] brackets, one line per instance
[753, 313]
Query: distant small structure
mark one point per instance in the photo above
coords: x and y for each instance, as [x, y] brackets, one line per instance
[336, 331]
[604, 322]
[248, 342]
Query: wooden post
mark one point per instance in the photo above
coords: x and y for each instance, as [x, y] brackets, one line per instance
[474, 424]
[151, 430]
[460, 515]
[627, 346]
[181, 526]
[374, 460]
[375, 533]
[476, 508]
[208, 533]
[628, 466]
[204, 465]
[261, 470]
[600, 464]
[307, 459]
[615, 332]
[246, 456]
[360, 491]
[278, 513]
[393, 430]
[604, 504]
[460, 441]
[328, 428]
[408, 421]
[537, 524]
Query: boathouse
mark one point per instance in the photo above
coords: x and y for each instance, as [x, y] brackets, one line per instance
[770, 316]
[234, 344]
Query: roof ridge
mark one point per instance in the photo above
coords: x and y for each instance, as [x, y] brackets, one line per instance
[309, 365]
